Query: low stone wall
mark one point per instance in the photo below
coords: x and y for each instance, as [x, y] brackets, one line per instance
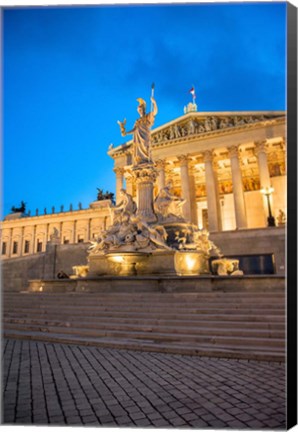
[16, 272]
[258, 283]
[254, 242]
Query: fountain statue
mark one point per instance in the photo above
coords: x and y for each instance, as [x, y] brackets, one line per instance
[168, 207]
[144, 231]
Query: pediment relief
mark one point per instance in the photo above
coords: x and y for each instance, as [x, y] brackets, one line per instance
[200, 126]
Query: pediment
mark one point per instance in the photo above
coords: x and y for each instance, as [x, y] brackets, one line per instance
[197, 125]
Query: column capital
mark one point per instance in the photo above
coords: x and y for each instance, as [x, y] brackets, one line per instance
[208, 156]
[260, 147]
[233, 151]
[160, 164]
[127, 175]
[118, 171]
[144, 175]
[183, 159]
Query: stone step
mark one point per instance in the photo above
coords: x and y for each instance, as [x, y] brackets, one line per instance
[156, 294]
[157, 336]
[137, 297]
[178, 329]
[219, 303]
[223, 315]
[152, 307]
[243, 351]
[241, 325]
[96, 320]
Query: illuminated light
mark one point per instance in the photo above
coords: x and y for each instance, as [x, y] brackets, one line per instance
[267, 190]
[118, 259]
[41, 288]
[190, 262]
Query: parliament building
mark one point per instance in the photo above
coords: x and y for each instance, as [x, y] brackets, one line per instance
[230, 167]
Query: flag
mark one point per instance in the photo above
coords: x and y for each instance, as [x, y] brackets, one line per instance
[192, 91]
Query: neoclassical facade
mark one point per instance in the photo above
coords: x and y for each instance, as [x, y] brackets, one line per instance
[25, 235]
[218, 162]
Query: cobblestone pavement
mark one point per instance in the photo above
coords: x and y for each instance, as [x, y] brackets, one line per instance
[47, 383]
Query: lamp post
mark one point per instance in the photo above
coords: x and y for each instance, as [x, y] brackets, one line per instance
[267, 192]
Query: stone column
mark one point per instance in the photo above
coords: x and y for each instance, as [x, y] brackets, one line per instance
[161, 174]
[11, 243]
[33, 239]
[238, 192]
[119, 182]
[60, 231]
[129, 185]
[145, 176]
[74, 231]
[193, 201]
[218, 205]
[185, 186]
[47, 233]
[261, 154]
[88, 230]
[9, 246]
[22, 242]
[214, 216]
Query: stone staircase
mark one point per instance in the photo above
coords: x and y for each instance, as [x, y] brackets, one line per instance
[240, 325]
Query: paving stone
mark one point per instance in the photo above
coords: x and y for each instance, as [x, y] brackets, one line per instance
[105, 419]
[142, 422]
[199, 423]
[154, 416]
[137, 415]
[160, 423]
[73, 420]
[190, 416]
[80, 385]
[89, 419]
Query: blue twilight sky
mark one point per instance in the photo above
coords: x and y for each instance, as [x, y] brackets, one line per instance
[69, 73]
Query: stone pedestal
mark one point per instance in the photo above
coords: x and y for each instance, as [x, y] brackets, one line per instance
[127, 262]
[145, 176]
[191, 263]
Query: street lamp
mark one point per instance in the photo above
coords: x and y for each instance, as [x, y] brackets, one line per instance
[267, 192]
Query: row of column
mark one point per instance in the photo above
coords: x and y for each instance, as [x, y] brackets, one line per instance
[212, 189]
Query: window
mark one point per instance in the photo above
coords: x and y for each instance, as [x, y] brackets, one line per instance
[39, 246]
[4, 248]
[80, 239]
[15, 247]
[66, 240]
[26, 246]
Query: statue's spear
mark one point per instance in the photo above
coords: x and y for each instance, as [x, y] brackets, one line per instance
[152, 94]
